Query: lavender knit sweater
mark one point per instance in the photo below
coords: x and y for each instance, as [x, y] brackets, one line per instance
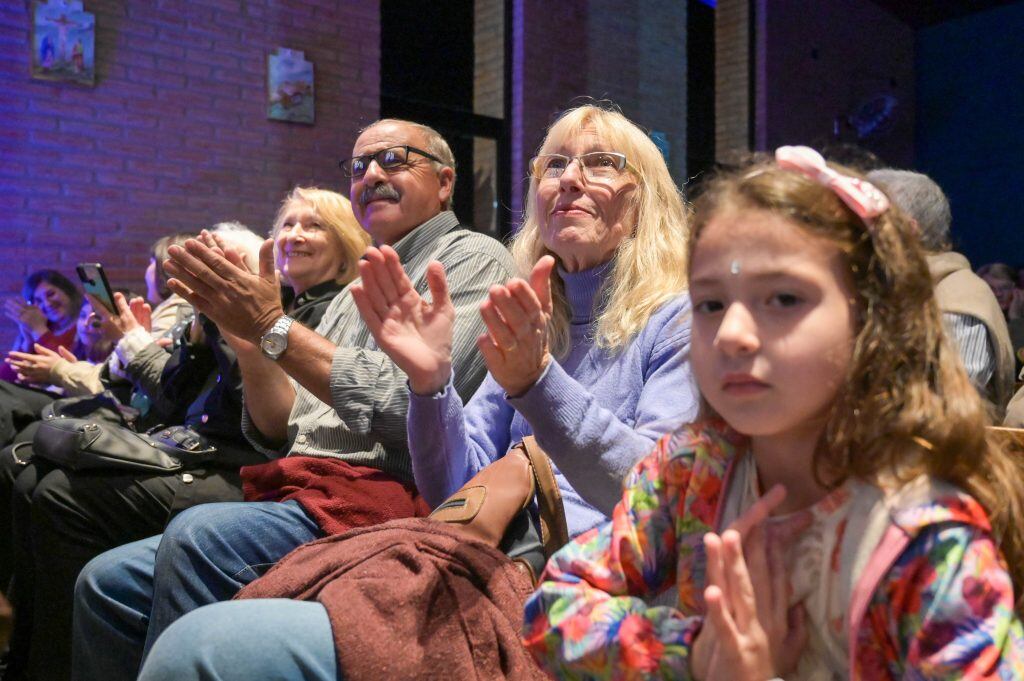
[595, 412]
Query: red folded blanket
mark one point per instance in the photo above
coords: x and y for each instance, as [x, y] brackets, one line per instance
[336, 494]
[411, 599]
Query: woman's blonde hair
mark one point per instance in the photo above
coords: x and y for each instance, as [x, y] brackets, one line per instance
[335, 213]
[650, 263]
[907, 406]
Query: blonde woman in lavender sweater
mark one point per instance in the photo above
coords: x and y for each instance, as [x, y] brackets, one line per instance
[591, 355]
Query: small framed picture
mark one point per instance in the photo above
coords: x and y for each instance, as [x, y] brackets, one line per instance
[290, 87]
[63, 42]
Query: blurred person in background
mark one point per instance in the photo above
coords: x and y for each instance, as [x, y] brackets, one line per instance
[972, 316]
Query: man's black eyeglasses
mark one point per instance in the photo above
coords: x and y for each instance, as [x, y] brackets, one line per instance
[387, 159]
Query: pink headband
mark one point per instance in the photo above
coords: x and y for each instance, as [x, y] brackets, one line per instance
[863, 198]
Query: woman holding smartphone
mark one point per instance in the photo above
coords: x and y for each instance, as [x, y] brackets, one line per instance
[46, 317]
[77, 369]
[70, 518]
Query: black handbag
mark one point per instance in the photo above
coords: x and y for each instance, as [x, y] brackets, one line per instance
[95, 432]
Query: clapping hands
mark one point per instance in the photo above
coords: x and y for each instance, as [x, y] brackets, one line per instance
[750, 631]
[30, 319]
[515, 347]
[416, 334]
[35, 368]
[217, 282]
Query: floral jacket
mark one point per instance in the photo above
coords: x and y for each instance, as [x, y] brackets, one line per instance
[935, 602]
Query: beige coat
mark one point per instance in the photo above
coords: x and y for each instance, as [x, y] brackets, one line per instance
[958, 290]
[83, 378]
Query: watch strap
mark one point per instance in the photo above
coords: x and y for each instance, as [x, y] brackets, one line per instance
[282, 325]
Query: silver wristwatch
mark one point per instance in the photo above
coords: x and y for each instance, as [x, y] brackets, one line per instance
[275, 342]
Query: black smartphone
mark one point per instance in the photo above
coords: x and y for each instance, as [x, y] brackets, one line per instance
[94, 281]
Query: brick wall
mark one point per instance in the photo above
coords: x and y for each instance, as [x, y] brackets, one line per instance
[488, 100]
[732, 82]
[174, 135]
[489, 58]
[637, 58]
[548, 70]
[564, 52]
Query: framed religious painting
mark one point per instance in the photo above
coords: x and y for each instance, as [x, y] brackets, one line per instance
[63, 42]
[290, 87]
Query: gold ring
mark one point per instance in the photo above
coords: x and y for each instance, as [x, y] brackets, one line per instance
[510, 348]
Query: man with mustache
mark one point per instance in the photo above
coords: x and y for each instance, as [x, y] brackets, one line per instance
[326, 406]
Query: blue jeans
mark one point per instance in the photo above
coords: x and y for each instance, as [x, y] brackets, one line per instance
[245, 640]
[125, 598]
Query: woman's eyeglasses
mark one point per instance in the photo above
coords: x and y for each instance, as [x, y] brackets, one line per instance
[596, 165]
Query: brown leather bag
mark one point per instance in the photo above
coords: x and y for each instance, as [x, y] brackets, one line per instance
[485, 507]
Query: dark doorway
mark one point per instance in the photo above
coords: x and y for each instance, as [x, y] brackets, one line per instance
[445, 64]
[700, 88]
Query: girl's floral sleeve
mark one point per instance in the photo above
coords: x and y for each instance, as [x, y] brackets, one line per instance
[945, 611]
[589, 619]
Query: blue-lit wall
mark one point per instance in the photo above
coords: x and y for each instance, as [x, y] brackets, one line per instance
[970, 127]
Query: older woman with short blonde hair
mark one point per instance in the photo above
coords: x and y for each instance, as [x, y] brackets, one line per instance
[319, 227]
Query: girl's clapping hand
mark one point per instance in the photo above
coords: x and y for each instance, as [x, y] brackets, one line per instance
[750, 631]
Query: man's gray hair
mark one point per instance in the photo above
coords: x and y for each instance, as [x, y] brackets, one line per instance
[921, 198]
[435, 144]
[246, 241]
[229, 226]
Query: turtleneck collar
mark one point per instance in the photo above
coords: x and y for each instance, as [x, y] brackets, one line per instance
[313, 292]
[581, 288]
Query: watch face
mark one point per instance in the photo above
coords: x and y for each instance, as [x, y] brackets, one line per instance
[273, 344]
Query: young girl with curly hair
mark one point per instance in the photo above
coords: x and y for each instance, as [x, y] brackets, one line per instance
[839, 511]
